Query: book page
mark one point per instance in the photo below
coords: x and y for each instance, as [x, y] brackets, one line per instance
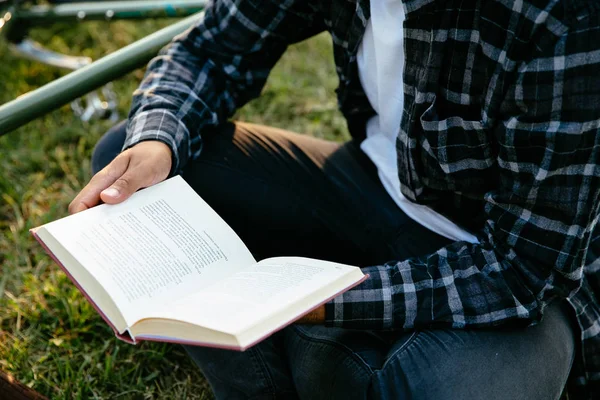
[245, 298]
[160, 245]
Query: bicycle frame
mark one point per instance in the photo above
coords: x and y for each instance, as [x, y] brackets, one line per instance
[81, 81]
[18, 20]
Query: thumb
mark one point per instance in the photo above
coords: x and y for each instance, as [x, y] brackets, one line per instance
[90, 194]
[122, 188]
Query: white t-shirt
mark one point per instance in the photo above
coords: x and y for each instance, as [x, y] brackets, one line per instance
[380, 66]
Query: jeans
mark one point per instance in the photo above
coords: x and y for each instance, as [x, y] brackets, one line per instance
[288, 194]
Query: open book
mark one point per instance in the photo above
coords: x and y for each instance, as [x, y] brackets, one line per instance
[164, 266]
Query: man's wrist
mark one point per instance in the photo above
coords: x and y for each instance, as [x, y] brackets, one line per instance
[161, 126]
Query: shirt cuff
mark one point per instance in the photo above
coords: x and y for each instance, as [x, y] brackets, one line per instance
[164, 127]
[366, 306]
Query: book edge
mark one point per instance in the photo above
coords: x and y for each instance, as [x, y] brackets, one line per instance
[125, 336]
[260, 339]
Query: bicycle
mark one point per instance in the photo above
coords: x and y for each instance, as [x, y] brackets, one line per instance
[17, 17]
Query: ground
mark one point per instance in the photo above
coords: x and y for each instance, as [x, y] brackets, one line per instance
[50, 337]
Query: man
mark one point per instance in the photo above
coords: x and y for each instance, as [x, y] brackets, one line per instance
[469, 193]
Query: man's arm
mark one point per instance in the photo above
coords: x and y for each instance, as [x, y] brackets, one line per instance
[207, 73]
[196, 83]
[539, 219]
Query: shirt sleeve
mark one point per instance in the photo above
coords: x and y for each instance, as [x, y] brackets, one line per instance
[202, 77]
[539, 219]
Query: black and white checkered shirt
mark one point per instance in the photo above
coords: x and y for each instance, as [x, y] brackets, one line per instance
[500, 132]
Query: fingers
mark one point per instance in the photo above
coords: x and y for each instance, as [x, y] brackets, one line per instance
[143, 165]
[149, 163]
[90, 195]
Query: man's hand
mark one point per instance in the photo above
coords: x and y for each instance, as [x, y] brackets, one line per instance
[145, 164]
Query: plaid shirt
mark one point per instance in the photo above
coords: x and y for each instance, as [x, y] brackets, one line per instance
[500, 132]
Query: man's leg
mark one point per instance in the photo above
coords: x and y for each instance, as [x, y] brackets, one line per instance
[260, 372]
[495, 364]
[108, 147]
[502, 363]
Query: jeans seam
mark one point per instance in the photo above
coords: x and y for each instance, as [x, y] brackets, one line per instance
[273, 395]
[261, 366]
[337, 345]
[257, 361]
[408, 342]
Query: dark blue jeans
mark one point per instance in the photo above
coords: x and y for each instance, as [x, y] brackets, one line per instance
[287, 194]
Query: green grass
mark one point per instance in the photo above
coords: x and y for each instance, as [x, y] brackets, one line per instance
[50, 336]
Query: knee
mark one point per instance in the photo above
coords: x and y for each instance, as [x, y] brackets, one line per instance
[326, 363]
[108, 147]
[531, 363]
